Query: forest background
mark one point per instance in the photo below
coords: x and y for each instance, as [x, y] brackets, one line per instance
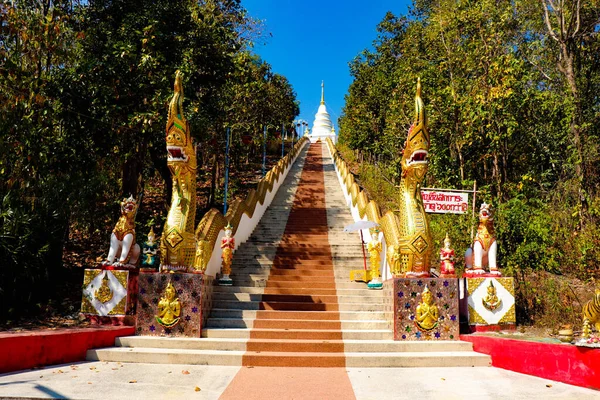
[512, 89]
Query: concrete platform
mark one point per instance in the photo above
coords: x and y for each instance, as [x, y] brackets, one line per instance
[107, 380]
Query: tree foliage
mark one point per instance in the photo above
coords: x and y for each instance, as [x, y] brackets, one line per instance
[83, 94]
[511, 89]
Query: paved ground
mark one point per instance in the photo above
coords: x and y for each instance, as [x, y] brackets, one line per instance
[102, 380]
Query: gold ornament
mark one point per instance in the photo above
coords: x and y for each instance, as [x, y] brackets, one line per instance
[169, 308]
[427, 315]
[104, 294]
[491, 302]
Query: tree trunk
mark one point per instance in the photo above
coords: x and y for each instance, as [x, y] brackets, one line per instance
[131, 176]
[160, 163]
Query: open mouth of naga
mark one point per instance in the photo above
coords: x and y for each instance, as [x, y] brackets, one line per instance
[418, 157]
[176, 153]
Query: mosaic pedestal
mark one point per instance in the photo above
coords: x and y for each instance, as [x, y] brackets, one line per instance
[110, 295]
[194, 293]
[408, 296]
[490, 304]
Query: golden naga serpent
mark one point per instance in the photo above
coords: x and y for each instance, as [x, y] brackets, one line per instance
[407, 234]
[181, 247]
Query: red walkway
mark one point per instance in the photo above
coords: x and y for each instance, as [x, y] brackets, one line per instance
[300, 309]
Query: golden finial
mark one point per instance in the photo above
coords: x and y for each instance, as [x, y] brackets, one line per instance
[419, 106]
[322, 92]
[176, 103]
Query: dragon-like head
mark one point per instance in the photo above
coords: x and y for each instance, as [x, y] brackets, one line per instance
[179, 141]
[414, 157]
[129, 207]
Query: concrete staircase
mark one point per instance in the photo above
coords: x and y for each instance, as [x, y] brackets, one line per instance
[292, 303]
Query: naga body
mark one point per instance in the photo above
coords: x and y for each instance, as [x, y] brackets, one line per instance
[410, 252]
[178, 242]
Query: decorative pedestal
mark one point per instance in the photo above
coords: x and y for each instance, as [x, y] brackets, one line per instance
[110, 295]
[438, 320]
[490, 304]
[193, 293]
[360, 275]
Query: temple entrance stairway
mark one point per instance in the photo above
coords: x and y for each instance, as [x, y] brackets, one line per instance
[292, 303]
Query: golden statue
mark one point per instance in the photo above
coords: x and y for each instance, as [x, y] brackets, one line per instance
[228, 245]
[104, 294]
[374, 249]
[178, 242]
[427, 312]
[491, 302]
[169, 308]
[408, 232]
[591, 314]
[447, 259]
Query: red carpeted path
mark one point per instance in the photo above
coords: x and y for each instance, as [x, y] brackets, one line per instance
[299, 323]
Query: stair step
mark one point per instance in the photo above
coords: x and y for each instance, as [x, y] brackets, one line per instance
[298, 359]
[296, 324]
[354, 334]
[297, 315]
[297, 306]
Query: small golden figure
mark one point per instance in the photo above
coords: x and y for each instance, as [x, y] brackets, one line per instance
[150, 250]
[491, 302]
[228, 245]
[169, 308]
[104, 294]
[447, 260]
[374, 248]
[427, 312]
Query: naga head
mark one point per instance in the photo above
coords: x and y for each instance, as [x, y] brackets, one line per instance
[486, 214]
[179, 141]
[129, 207]
[414, 157]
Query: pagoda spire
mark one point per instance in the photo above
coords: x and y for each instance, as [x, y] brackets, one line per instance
[322, 92]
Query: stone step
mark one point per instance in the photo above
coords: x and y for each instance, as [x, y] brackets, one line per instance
[287, 345]
[299, 306]
[219, 297]
[218, 313]
[296, 324]
[261, 281]
[298, 359]
[322, 334]
[356, 291]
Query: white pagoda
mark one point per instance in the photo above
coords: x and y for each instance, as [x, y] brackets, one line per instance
[322, 126]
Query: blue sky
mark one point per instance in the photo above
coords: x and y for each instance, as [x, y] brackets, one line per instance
[314, 40]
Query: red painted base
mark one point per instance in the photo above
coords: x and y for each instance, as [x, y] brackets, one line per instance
[492, 328]
[40, 348]
[560, 362]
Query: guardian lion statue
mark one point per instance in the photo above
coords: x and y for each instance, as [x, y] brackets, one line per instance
[123, 248]
[485, 248]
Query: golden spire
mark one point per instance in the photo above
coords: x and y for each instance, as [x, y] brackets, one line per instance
[322, 92]
[419, 106]
[176, 103]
